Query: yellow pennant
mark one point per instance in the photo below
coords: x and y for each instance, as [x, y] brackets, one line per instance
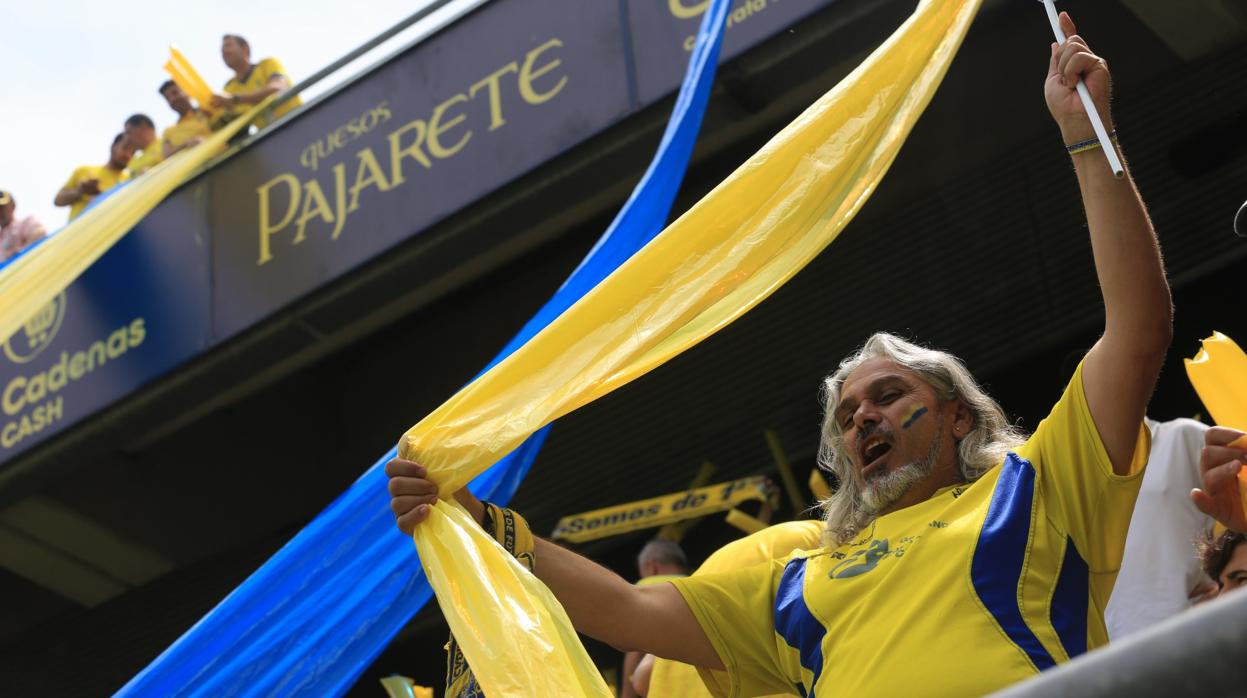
[658, 511]
[1219, 374]
[187, 78]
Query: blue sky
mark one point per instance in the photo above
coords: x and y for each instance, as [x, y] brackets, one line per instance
[77, 69]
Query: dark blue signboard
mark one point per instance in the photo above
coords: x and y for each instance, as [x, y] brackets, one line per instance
[663, 32]
[140, 310]
[475, 106]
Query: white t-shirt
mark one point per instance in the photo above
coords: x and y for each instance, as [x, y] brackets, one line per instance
[1160, 567]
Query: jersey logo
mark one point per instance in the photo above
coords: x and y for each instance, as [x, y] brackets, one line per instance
[861, 561]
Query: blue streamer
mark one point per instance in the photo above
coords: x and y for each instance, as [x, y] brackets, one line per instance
[319, 611]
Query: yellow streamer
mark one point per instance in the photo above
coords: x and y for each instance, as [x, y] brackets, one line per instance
[724, 256]
[32, 281]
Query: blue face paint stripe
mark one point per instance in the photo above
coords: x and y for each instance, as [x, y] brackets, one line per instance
[1070, 601]
[914, 417]
[794, 622]
[1000, 554]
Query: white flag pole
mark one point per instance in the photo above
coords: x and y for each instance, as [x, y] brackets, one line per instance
[1096, 123]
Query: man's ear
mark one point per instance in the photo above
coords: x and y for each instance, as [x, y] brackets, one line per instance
[963, 419]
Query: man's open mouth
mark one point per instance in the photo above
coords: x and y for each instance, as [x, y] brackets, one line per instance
[873, 451]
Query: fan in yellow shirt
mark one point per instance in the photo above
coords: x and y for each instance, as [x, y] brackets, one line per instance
[1023, 557]
[193, 124]
[252, 82]
[89, 181]
[140, 130]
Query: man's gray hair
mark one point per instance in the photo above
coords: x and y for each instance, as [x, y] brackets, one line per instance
[664, 552]
[991, 436]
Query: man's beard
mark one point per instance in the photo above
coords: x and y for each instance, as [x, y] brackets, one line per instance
[882, 491]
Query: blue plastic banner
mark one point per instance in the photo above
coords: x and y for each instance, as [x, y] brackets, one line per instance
[323, 607]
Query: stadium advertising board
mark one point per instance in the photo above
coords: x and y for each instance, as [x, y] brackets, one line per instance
[139, 311]
[475, 106]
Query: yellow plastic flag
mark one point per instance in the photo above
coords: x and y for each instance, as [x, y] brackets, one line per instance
[189, 79]
[1219, 374]
[32, 281]
[724, 256]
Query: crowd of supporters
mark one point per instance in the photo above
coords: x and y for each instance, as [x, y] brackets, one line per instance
[138, 148]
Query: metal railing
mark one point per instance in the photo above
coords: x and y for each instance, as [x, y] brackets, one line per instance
[364, 48]
[1202, 652]
[247, 139]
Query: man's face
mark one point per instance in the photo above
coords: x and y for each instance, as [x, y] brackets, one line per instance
[1234, 575]
[177, 98]
[122, 151]
[891, 418]
[139, 136]
[233, 52]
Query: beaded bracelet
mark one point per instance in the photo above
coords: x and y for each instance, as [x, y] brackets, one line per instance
[1089, 144]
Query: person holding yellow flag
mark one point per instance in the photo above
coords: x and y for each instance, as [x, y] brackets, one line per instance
[252, 82]
[959, 555]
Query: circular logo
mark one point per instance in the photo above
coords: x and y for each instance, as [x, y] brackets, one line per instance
[38, 332]
[680, 10]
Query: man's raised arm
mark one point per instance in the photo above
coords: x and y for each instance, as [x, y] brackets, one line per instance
[1121, 369]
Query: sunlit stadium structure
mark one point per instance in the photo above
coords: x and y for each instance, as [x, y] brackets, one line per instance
[248, 349]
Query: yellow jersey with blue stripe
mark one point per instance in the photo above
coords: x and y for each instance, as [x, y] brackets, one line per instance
[671, 679]
[981, 586]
